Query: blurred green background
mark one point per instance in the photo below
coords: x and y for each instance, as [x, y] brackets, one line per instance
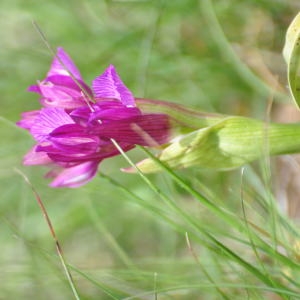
[168, 50]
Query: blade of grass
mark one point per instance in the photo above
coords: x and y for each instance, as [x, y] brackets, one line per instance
[222, 294]
[242, 262]
[256, 272]
[248, 266]
[249, 232]
[227, 216]
[208, 286]
[111, 292]
[53, 234]
[147, 45]
[108, 236]
[218, 36]
[224, 214]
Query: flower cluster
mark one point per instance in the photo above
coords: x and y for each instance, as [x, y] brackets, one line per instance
[75, 128]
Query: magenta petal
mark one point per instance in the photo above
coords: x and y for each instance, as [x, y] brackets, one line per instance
[115, 114]
[110, 85]
[70, 130]
[34, 89]
[76, 176]
[146, 130]
[68, 82]
[72, 140]
[36, 158]
[57, 92]
[47, 121]
[60, 96]
[106, 151]
[81, 114]
[28, 119]
[86, 113]
[104, 103]
[63, 65]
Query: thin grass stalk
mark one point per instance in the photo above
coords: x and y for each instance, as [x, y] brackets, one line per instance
[54, 236]
[227, 216]
[226, 250]
[218, 289]
[217, 34]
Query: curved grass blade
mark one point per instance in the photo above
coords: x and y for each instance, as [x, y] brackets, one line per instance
[291, 53]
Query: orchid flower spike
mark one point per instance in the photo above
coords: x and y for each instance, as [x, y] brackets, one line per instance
[75, 126]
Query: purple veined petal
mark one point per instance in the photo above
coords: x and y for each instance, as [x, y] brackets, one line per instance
[76, 176]
[71, 143]
[60, 96]
[105, 103]
[81, 114]
[147, 130]
[71, 130]
[28, 119]
[67, 81]
[36, 158]
[78, 146]
[62, 64]
[73, 140]
[56, 92]
[61, 154]
[115, 114]
[106, 110]
[67, 103]
[63, 158]
[47, 120]
[110, 85]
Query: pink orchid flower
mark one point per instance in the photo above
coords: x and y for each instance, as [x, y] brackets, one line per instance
[75, 127]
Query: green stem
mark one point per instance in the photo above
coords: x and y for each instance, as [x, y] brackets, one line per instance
[284, 138]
